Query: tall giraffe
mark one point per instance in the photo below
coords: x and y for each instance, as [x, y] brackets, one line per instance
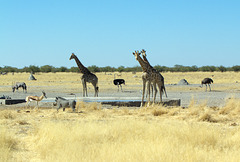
[157, 78]
[146, 76]
[86, 77]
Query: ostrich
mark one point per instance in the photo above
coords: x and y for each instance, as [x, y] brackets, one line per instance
[118, 82]
[207, 81]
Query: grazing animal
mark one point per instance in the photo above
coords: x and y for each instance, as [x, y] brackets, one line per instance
[18, 85]
[118, 82]
[62, 102]
[86, 77]
[157, 78]
[35, 98]
[207, 81]
[146, 76]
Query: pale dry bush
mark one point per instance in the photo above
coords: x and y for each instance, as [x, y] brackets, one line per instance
[159, 111]
[135, 140]
[7, 144]
[8, 114]
[232, 107]
[202, 112]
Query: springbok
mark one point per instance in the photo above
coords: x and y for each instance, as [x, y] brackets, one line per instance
[35, 98]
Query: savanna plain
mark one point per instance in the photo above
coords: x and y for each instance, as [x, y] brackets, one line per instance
[197, 131]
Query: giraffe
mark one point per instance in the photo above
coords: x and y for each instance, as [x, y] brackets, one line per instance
[146, 76]
[86, 77]
[157, 78]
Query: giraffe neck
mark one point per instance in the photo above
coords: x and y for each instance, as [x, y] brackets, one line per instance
[144, 65]
[145, 59]
[82, 68]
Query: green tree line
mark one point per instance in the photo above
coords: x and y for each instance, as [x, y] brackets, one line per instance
[94, 68]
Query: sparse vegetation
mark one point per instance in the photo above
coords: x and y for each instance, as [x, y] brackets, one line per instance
[144, 134]
[94, 133]
[94, 69]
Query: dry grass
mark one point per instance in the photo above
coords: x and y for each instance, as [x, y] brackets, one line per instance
[7, 144]
[94, 133]
[197, 133]
[71, 82]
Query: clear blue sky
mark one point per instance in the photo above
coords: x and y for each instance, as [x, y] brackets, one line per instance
[105, 33]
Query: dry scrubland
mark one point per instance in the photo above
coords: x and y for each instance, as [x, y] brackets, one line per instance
[198, 133]
[71, 82]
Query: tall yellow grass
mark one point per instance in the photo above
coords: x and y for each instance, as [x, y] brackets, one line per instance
[135, 140]
[197, 133]
[93, 133]
[7, 144]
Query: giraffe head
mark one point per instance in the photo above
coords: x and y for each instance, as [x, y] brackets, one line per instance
[72, 56]
[136, 54]
[143, 52]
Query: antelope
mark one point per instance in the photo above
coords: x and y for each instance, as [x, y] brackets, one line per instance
[18, 85]
[35, 98]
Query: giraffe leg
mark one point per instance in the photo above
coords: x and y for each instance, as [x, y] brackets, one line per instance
[144, 85]
[84, 86]
[148, 91]
[155, 92]
[95, 89]
[160, 91]
[152, 89]
[164, 89]
[86, 89]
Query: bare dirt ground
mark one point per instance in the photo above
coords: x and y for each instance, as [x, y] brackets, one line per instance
[215, 98]
[226, 85]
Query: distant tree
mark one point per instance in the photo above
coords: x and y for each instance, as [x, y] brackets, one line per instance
[94, 68]
[236, 68]
[46, 68]
[120, 69]
[107, 69]
[30, 69]
[222, 68]
[136, 69]
[177, 68]
[9, 69]
[62, 69]
[74, 69]
[161, 68]
[194, 68]
[208, 68]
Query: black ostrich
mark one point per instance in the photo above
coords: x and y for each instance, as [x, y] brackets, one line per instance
[207, 81]
[119, 82]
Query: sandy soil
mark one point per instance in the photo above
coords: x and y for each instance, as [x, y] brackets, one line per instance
[185, 93]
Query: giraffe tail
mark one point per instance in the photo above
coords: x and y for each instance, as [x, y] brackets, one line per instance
[163, 89]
